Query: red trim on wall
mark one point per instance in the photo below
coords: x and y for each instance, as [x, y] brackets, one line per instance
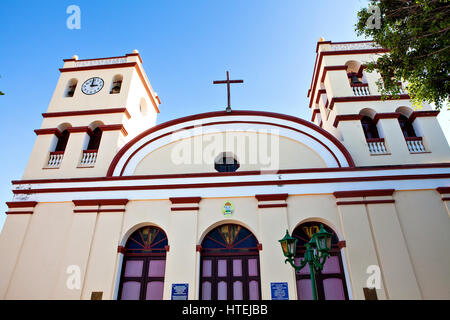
[259, 246]
[143, 79]
[235, 184]
[413, 138]
[417, 114]
[85, 129]
[86, 113]
[319, 93]
[364, 193]
[184, 208]
[343, 203]
[198, 248]
[346, 117]
[446, 199]
[114, 127]
[364, 98]
[375, 140]
[21, 204]
[237, 173]
[100, 202]
[19, 212]
[97, 210]
[121, 249]
[273, 205]
[342, 244]
[134, 54]
[314, 112]
[386, 115]
[185, 200]
[54, 131]
[325, 133]
[167, 248]
[271, 197]
[320, 43]
[443, 190]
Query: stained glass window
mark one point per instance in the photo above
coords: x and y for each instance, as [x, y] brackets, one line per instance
[144, 265]
[230, 265]
[331, 280]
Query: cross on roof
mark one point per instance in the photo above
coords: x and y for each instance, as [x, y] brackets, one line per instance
[228, 81]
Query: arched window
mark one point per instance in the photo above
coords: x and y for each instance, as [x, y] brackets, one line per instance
[369, 127]
[62, 141]
[70, 89]
[94, 140]
[116, 84]
[144, 265]
[407, 127]
[226, 162]
[230, 265]
[330, 281]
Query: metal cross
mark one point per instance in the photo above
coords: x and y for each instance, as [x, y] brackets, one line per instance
[228, 81]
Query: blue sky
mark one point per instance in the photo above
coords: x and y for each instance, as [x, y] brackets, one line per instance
[185, 45]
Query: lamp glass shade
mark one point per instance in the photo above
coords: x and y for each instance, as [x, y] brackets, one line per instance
[322, 240]
[288, 245]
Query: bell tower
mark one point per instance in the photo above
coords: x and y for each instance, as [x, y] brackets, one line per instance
[345, 101]
[98, 105]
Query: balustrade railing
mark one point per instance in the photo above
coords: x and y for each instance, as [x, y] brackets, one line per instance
[55, 158]
[377, 146]
[89, 157]
[360, 89]
[415, 144]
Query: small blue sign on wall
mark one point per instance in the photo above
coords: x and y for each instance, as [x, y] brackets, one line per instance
[279, 290]
[180, 291]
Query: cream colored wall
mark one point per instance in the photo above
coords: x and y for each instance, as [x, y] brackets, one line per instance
[425, 224]
[408, 240]
[292, 154]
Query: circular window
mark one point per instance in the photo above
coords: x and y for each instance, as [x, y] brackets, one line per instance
[226, 162]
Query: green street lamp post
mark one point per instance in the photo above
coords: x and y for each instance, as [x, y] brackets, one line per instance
[317, 252]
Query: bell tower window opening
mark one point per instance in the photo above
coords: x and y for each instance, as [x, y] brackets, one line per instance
[407, 127]
[116, 84]
[94, 141]
[62, 141]
[370, 128]
[71, 86]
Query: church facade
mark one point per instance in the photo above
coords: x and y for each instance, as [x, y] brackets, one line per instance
[113, 206]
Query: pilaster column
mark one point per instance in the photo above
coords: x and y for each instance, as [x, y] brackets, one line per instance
[360, 250]
[11, 239]
[101, 263]
[378, 207]
[182, 259]
[273, 223]
[445, 193]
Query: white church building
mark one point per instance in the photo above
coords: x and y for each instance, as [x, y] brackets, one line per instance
[113, 206]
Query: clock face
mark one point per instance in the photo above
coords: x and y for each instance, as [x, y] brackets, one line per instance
[92, 85]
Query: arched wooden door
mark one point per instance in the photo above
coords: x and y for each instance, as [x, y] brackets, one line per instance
[144, 265]
[330, 281]
[230, 265]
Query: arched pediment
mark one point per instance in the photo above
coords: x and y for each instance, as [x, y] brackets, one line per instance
[260, 141]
